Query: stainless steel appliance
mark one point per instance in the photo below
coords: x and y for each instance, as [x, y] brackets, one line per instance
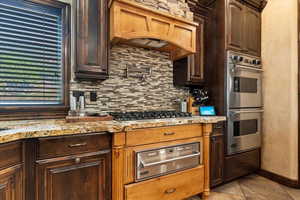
[157, 162]
[244, 81]
[244, 102]
[244, 130]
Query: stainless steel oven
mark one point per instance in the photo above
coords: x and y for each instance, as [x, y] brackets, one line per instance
[157, 162]
[244, 82]
[244, 130]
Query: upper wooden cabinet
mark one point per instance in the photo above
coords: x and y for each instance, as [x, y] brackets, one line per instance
[243, 28]
[235, 25]
[190, 70]
[91, 39]
[252, 28]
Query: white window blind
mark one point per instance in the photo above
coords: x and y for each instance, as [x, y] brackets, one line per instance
[30, 54]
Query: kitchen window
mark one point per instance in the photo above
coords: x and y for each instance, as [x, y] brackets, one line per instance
[34, 58]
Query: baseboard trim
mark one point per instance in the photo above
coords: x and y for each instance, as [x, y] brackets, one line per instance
[279, 179]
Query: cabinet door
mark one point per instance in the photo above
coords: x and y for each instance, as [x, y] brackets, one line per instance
[11, 183]
[252, 30]
[75, 178]
[235, 25]
[216, 160]
[196, 61]
[91, 39]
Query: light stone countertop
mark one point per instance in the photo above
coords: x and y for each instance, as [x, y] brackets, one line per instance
[45, 128]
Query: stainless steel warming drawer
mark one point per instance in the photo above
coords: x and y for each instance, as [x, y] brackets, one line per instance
[157, 162]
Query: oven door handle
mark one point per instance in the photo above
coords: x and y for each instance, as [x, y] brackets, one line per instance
[247, 111]
[248, 68]
[168, 160]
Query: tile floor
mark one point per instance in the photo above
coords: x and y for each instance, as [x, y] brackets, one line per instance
[253, 187]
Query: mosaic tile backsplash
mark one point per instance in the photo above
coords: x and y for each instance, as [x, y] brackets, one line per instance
[118, 93]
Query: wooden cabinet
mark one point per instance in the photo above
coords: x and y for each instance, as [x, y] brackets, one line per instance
[181, 185]
[235, 25]
[216, 161]
[75, 177]
[252, 30]
[241, 164]
[11, 171]
[217, 155]
[91, 39]
[11, 183]
[73, 167]
[163, 134]
[243, 28]
[190, 70]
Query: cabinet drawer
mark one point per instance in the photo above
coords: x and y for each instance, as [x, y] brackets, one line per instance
[63, 146]
[162, 134]
[10, 154]
[171, 187]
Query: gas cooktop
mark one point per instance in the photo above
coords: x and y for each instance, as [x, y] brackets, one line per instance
[129, 116]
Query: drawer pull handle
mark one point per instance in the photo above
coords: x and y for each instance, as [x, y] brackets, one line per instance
[77, 145]
[170, 191]
[77, 160]
[169, 160]
[169, 133]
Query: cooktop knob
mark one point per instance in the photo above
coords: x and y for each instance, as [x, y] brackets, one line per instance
[235, 58]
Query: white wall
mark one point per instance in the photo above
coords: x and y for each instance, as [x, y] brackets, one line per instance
[279, 54]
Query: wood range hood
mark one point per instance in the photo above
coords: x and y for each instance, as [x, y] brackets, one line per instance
[137, 25]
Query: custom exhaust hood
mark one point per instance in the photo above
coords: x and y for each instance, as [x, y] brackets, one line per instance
[137, 25]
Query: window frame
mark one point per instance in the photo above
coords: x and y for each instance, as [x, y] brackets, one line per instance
[16, 112]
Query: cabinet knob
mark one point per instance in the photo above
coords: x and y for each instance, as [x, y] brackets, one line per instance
[77, 160]
[170, 191]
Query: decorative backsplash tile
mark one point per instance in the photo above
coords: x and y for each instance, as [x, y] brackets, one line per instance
[177, 8]
[118, 93]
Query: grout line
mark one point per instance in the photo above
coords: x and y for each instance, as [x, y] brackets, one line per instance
[241, 189]
[288, 194]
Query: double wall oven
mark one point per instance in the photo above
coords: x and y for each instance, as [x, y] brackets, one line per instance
[244, 102]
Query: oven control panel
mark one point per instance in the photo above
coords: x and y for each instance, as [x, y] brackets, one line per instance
[246, 60]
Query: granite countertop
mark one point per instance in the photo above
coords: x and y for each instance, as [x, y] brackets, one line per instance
[46, 128]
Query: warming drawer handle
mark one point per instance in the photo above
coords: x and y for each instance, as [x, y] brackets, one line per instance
[169, 160]
[170, 191]
[77, 145]
[248, 111]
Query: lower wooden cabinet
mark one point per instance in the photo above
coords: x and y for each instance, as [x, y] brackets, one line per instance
[11, 171]
[216, 160]
[180, 185]
[11, 183]
[217, 155]
[74, 177]
[241, 164]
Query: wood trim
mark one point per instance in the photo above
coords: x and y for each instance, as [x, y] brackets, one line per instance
[298, 32]
[30, 153]
[207, 130]
[45, 112]
[279, 179]
[118, 173]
